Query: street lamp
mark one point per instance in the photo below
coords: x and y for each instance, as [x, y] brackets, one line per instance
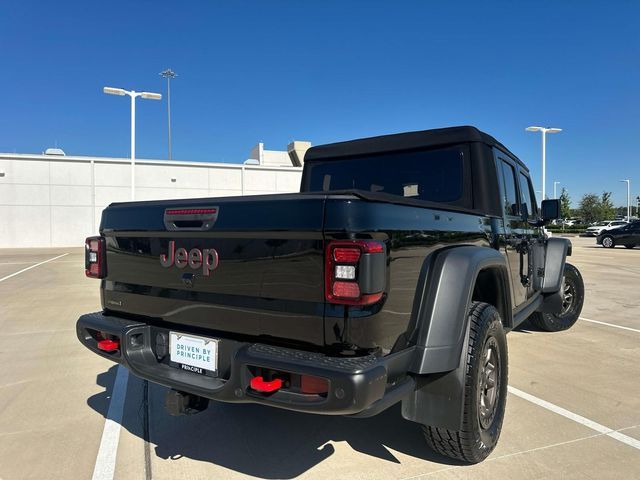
[554, 189]
[544, 131]
[169, 75]
[133, 94]
[628, 198]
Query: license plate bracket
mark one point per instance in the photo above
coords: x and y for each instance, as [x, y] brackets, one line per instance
[193, 353]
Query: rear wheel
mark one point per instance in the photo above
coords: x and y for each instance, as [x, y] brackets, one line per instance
[485, 391]
[608, 242]
[572, 300]
[630, 246]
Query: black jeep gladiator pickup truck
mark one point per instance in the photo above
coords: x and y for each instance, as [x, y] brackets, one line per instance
[391, 277]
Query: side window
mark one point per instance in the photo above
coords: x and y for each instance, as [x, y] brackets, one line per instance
[527, 202]
[510, 201]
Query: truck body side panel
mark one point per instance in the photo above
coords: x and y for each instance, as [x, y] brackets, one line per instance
[411, 234]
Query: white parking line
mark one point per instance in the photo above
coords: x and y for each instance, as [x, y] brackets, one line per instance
[610, 432]
[106, 460]
[610, 325]
[32, 266]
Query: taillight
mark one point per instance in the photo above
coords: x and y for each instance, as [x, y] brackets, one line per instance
[95, 257]
[355, 271]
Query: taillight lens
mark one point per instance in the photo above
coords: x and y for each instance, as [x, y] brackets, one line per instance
[346, 254]
[347, 263]
[345, 289]
[95, 264]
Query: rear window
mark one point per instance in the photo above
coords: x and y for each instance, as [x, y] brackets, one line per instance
[432, 175]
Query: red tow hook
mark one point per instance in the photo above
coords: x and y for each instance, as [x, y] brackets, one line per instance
[258, 384]
[108, 345]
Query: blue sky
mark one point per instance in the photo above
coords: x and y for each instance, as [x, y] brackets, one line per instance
[274, 71]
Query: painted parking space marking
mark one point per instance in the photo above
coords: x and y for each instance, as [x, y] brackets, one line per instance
[610, 432]
[514, 454]
[106, 460]
[610, 325]
[32, 266]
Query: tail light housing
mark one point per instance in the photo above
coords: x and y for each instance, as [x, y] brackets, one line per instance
[355, 271]
[95, 257]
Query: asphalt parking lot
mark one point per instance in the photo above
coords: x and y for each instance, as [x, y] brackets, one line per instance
[573, 410]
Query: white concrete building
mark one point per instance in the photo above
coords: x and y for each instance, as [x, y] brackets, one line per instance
[57, 201]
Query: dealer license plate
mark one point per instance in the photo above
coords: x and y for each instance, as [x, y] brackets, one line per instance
[193, 353]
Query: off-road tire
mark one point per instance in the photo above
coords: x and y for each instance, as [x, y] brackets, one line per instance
[608, 242]
[556, 322]
[474, 442]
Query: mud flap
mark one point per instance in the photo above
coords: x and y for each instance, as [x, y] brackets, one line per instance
[438, 399]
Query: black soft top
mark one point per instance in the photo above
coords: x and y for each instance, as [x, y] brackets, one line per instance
[406, 141]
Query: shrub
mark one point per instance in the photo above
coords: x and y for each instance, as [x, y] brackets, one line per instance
[572, 229]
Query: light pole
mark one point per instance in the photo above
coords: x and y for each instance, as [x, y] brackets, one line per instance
[169, 75]
[555, 196]
[628, 198]
[544, 131]
[133, 94]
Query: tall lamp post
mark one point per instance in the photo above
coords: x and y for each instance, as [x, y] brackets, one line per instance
[169, 75]
[555, 195]
[544, 131]
[133, 94]
[628, 198]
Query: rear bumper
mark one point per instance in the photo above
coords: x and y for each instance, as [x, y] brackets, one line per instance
[360, 386]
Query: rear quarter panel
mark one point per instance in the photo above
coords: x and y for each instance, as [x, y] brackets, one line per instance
[411, 235]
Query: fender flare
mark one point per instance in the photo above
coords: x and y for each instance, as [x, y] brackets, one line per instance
[555, 258]
[442, 300]
[557, 251]
[441, 307]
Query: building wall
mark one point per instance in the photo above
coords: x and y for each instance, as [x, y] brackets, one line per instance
[270, 158]
[50, 201]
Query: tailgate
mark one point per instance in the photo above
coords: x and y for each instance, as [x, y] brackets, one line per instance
[253, 266]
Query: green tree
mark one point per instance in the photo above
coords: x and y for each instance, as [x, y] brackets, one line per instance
[590, 207]
[565, 204]
[607, 210]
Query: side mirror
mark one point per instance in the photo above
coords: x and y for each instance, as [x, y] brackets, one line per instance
[550, 210]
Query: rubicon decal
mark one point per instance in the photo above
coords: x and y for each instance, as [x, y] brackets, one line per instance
[207, 259]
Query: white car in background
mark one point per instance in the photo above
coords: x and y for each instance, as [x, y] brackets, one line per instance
[571, 222]
[600, 227]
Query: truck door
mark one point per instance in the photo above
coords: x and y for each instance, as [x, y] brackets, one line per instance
[530, 235]
[516, 234]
